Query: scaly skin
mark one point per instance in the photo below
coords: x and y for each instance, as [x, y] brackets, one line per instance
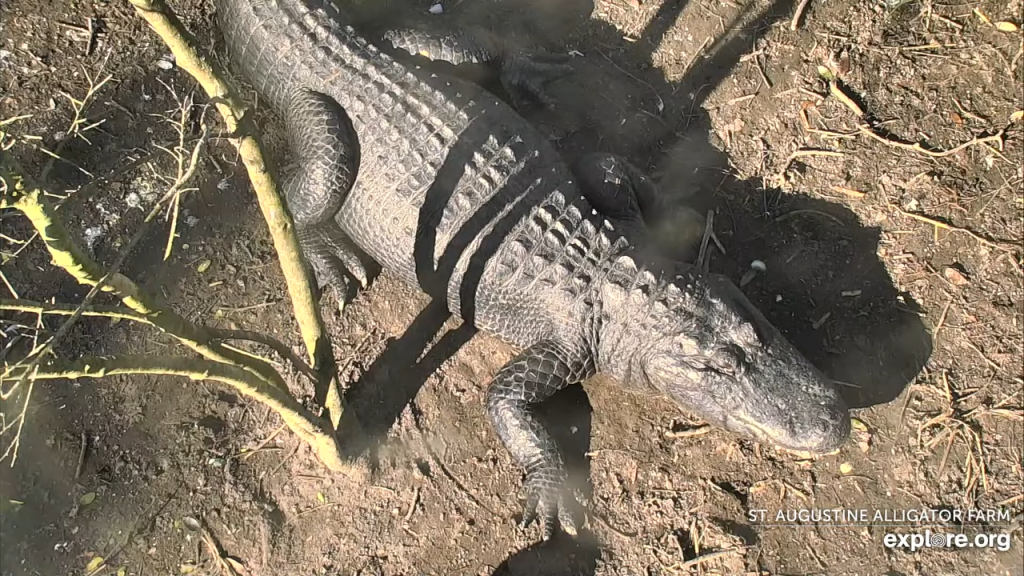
[459, 195]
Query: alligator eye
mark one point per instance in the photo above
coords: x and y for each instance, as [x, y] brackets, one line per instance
[728, 360]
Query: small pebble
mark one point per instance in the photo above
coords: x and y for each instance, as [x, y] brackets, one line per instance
[436, 9]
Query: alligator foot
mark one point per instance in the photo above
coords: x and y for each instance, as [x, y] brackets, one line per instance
[532, 377]
[327, 156]
[620, 192]
[523, 75]
[334, 259]
[630, 200]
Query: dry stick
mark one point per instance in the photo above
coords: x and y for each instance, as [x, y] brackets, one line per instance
[939, 224]
[217, 551]
[300, 420]
[839, 94]
[799, 12]
[70, 257]
[81, 455]
[916, 147]
[279, 221]
[709, 227]
[708, 557]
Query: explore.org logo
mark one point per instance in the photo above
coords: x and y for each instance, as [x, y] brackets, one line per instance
[916, 541]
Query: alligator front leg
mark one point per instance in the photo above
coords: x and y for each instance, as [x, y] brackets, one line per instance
[530, 378]
[327, 157]
[523, 75]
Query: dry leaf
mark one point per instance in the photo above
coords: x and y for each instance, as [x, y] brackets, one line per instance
[955, 276]
[94, 564]
[1006, 26]
[981, 16]
[957, 119]
[236, 565]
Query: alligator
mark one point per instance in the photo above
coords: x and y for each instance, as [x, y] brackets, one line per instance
[446, 186]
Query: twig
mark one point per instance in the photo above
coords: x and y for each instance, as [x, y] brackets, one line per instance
[942, 318]
[709, 557]
[219, 555]
[81, 455]
[702, 260]
[916, 147]
[268, 341]
[865, 128]
[661, 103]
[802, 153]
[939, 224]
[992, 364]
[799, 12]
[124, 314]
[10, 288]
[849, 191]
[264, 443]
[282, 229]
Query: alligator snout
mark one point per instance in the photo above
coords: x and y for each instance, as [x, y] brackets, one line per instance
[819, 430]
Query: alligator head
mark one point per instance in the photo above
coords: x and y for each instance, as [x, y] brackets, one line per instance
[731, 366]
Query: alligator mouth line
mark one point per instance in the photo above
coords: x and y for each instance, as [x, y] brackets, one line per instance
[759, 430]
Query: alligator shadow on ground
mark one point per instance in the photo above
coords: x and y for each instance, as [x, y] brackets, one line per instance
[559, 556]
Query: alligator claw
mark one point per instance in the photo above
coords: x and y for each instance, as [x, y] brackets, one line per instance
[333, 260]
[524, 76]
[549, 503]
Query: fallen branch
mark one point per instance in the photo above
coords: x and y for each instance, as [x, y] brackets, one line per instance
[66, 254]
[116, 312]
[282, 230]
[252, 376]
[298, 419]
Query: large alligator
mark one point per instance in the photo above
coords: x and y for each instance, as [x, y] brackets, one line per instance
[450, 189]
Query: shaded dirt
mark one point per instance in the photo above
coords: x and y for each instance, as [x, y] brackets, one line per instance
[707, 96]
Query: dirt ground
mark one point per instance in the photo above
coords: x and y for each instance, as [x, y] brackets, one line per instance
[725, 104]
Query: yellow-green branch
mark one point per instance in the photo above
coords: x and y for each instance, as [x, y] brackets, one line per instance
[116, 312]
[307, 313]
[300, 420]
[66, 254]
